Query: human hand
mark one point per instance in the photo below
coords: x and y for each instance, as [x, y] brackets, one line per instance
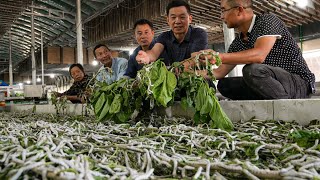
[207, 55]
[142, 58]
[194, 54]
[83, 99]
[87, 92]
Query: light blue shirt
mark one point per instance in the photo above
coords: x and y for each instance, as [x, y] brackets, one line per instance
[118, 68]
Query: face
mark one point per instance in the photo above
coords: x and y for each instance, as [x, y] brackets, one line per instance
[229, 14]
[76, 73]
[144, 35]
[103, 55]
[179, 20]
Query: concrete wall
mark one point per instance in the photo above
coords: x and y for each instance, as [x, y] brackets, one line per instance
[300, 110]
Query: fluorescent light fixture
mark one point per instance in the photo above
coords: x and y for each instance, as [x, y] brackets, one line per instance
[95, 62]
[65, 69]
[28, 82]
[303, 4]
[51, 76]
[131, 52]
[38, 79]
[202, 26]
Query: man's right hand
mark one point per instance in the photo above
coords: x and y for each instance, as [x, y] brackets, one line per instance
[211, 59]
[143, 58]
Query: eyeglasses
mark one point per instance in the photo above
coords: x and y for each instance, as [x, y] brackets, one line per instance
[225, 10]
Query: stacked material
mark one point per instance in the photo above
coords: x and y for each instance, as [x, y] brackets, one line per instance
[53, 147]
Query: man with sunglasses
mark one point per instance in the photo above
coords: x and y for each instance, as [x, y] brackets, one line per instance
[275, 68]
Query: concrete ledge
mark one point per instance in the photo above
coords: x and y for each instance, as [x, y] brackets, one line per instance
[300, 110]
[72, 109]
[245, 110]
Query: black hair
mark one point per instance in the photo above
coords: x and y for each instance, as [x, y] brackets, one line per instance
[98, 46]
[76, 65]
[178, 3]
[142, 22]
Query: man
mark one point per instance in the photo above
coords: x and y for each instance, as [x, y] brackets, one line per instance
[113, 68]
[180, 41]
[144, 34]
[275, 68]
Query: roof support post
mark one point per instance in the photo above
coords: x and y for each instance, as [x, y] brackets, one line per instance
[79, 33]
[10, 61]
[33, 60]
[42, 68]
[228, 38]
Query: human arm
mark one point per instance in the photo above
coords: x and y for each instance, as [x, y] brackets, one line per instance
[76, 99]
[257, 54]
[261, 40]
[75, 92]
[151, 55]
[72, 98]
[131, 71]
[100, 74]
[123, 65]
[218, 73]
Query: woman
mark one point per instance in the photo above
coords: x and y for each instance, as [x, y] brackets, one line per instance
[76, 93]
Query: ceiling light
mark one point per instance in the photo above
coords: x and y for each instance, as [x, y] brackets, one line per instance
[202, 26]
[51, 76]
[38, 79]
[95, 62]
[28, 82]
[304, 3]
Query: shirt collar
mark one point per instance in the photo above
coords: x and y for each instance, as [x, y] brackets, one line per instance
[153, 42]
[85, 78]
[252, 23]
[139, 48]
[186, 38]
[113, 62]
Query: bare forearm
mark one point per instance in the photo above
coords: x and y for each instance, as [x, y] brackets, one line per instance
[152, 55]
[244, 57]
[258, 54]
[73, 98]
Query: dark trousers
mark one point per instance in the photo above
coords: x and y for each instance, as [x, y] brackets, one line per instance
[262, 81]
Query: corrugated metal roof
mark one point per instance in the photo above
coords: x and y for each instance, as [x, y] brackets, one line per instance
[55, 18]
[97, 15]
